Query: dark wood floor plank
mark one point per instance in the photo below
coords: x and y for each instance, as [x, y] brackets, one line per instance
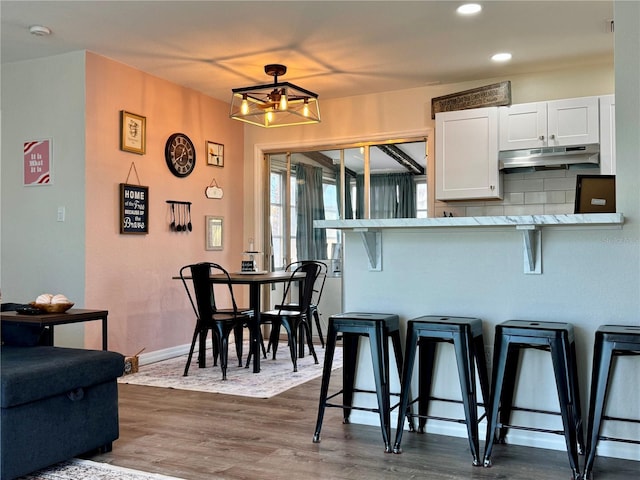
[198, 436]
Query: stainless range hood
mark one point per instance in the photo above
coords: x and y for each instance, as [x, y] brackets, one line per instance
[583, 156]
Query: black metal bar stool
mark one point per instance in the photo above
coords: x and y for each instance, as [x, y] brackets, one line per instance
[379, 327]
[610, 341]
[466, 336]
[558, 339]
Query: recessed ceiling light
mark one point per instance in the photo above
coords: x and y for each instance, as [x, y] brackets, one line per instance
[501, 57]
[469, 9]
[39, 30]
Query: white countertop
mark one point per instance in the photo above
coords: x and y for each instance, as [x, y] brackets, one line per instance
[523, 221]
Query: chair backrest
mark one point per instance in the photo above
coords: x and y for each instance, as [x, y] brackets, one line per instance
[311, 270]
[204, 305]
[318, 285]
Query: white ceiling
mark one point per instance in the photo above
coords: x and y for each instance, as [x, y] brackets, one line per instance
[334, 48]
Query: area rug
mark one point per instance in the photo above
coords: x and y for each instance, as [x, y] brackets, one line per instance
[77, 469]
[275, 377]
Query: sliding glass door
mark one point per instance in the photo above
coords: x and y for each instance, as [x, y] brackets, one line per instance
[370, 180]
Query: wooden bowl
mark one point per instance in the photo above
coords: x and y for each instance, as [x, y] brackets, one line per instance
[53, 307]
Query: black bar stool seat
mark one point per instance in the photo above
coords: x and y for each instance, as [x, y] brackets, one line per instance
[557, 338]
[379, 328]
[424, 334]
[610, 341]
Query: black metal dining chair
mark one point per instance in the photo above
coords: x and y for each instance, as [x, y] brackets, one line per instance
[293, 316]
[220, 321]
[316, 295]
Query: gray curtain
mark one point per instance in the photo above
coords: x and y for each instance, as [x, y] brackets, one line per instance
[393, 195]
[360, 196]
[311, 243]
[348, 209]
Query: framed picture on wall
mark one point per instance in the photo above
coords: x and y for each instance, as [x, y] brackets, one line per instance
[134, 209]
[133, 132]
[37, 162]
[213, 233]
[215, 154]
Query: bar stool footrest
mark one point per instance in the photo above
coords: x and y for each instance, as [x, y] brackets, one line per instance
[364, 409]
[621, 440]
[532, 429]
[443, 419]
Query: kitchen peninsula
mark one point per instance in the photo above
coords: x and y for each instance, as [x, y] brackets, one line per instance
[529, 225]
[472, 266]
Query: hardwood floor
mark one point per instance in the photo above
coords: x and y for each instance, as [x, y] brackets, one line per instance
[195, 435]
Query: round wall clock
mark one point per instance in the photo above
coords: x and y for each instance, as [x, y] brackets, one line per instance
[180, 154]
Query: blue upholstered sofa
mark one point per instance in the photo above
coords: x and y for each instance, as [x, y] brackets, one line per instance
[56, 403]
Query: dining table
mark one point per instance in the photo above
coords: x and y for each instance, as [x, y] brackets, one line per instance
[256, 281]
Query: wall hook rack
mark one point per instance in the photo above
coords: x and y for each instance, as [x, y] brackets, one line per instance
[180, 216]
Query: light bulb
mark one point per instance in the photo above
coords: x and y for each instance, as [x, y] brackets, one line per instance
[269, 116]
[283, 101]
[244, 107]
[305, 108]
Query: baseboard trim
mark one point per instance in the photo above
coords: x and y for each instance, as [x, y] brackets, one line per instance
[515, 437]
[164, 354]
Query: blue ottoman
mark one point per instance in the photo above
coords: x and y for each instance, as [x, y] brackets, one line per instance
[56, 403]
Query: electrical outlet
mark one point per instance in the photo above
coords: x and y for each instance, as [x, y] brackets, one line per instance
[61, 214]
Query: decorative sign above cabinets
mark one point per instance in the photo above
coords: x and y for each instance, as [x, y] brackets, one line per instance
[495, 95]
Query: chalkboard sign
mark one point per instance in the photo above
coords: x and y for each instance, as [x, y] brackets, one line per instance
[134, 209]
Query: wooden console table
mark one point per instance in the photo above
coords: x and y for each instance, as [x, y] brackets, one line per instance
[74, 315]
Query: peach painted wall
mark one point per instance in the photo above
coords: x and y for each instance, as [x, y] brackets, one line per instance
[130, 275]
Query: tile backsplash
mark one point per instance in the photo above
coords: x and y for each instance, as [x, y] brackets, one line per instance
[546, 192]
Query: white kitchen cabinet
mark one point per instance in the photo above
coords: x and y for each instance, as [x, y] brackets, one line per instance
[467, 155]
[608, 135]
[573, 121]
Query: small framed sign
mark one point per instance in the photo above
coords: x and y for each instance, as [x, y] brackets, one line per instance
[37, 162]
[497, 94]
[133, 133]
[213, 229]
[134, 208]
[215, 154]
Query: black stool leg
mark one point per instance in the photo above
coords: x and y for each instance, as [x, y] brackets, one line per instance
[467, 374]
[602, 360]
[508, 390]
[426, 358]
[497, 379]
[483, 374]
[574, 386]
[405, 389]
[560, 356]
[397, 350]
[326, 376]
[350, 349]
[380, 360]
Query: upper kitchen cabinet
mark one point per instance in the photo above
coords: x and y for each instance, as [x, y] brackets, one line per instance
[573, 121]
[467, 155]
[608, 135]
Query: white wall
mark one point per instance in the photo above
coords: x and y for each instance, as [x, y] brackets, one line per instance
[41, 99]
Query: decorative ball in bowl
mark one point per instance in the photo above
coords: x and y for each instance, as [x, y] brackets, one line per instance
[53, 307]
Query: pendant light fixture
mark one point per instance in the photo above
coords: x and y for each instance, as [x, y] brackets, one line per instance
[275, 105]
